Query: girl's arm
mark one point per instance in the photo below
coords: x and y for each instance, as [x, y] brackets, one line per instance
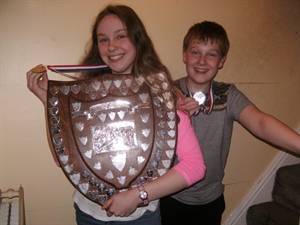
[189, 170]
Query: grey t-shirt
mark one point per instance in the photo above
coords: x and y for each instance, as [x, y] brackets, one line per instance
[214, 133]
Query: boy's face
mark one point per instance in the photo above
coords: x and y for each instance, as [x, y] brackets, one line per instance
[202, 60]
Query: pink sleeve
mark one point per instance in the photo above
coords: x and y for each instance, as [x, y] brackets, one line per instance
[191, 164]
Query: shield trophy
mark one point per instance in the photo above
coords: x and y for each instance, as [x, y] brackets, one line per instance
[112, 132]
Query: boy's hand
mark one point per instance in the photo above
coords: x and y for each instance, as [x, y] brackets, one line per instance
[191, 105]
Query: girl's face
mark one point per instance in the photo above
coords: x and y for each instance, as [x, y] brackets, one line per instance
[114, 45]
[202, 60]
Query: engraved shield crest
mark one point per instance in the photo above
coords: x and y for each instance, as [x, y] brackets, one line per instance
[112, 132]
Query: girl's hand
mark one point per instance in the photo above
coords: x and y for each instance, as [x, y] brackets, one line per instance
[37, 82]
[191, 105]
[123, 203]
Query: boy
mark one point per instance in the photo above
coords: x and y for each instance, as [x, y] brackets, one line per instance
[213, 107]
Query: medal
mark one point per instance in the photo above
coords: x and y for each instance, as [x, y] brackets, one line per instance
[39, 69]
[199, 97]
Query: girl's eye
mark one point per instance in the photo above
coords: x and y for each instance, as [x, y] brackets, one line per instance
[122, 36]
[195, 53]
[101, 40]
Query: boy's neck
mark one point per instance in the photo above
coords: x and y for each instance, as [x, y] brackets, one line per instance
[194, 87]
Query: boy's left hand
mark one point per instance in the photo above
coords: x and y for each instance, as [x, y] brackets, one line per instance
[191, 105]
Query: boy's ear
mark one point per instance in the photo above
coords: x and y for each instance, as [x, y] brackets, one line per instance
[183, 56]
[221, 64]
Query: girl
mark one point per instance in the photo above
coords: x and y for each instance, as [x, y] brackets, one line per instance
[120, 41]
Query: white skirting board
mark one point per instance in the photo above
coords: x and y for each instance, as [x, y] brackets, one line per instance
[262, 189]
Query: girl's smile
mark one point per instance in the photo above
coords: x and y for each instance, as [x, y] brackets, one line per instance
[114, 45]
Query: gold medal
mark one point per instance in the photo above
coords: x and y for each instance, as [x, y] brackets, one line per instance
[39, 69]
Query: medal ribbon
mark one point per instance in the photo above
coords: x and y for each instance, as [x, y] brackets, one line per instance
[202, 106]
[63, 69]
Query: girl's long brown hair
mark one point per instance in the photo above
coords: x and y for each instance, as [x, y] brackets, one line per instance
[146, 61]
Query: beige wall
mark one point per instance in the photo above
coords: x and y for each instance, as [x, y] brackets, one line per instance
[263, 62]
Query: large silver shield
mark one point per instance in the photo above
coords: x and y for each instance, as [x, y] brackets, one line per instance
[112, 132]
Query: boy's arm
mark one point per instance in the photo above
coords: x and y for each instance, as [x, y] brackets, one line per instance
[269, 129]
